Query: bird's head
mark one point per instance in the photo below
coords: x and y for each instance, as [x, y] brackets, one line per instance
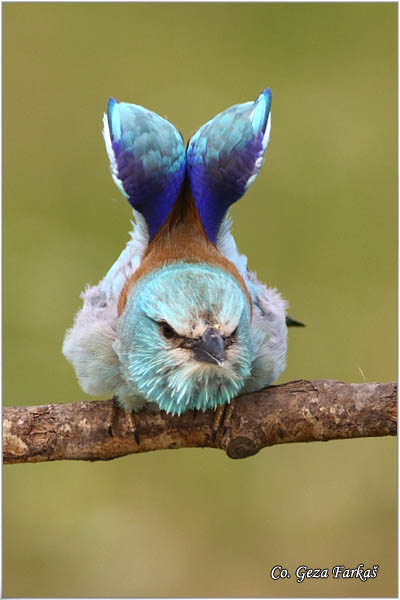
[184, 337]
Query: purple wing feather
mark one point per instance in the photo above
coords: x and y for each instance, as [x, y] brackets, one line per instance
[224, 157]
[148, 159]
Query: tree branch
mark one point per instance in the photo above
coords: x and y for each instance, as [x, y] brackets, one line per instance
[299, 411]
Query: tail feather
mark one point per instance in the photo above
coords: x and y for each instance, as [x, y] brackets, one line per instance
[293, 323]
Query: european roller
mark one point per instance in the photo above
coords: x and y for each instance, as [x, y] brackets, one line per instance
[179, 320]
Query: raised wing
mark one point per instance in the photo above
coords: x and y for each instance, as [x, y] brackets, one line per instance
[148, 159]
[224, 157]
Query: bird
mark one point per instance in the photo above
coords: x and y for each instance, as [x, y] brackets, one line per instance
[179, 322]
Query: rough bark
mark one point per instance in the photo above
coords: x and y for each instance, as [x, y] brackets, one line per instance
[299, 411]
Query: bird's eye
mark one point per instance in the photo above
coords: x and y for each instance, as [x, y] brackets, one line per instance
[167, 331]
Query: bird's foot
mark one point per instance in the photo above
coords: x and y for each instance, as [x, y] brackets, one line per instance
[134, 427]
[151, 408]
[221, 420]
[113, 416]
[113, 421]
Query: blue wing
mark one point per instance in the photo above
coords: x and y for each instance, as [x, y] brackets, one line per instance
[148, 159]
[224, 157]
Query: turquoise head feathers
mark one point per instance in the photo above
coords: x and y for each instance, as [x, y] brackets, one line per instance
[184, 337]
[179, 319]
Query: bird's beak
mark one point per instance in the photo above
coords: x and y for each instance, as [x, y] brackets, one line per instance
[210, 347]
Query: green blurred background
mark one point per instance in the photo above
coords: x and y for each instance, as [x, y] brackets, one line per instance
[319, 223]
